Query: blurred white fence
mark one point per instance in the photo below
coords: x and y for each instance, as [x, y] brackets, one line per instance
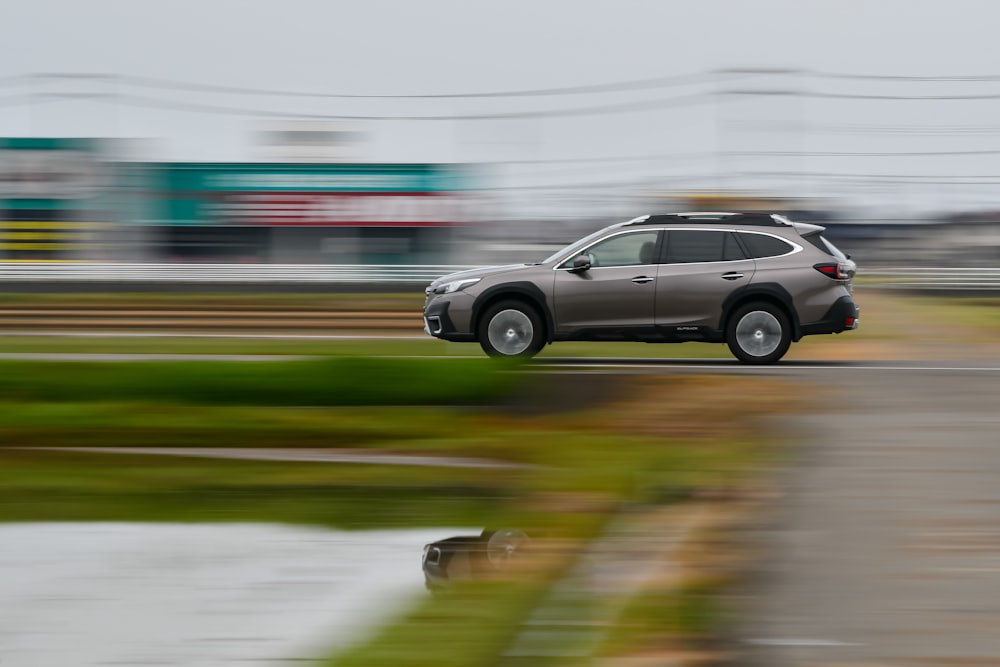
[220, 273]
[934, 278]
[970, 279]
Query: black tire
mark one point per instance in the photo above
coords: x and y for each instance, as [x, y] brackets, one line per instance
[503, 545]
[759, 333]
[511, 329]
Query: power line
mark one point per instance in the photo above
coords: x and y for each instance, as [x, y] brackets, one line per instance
[774, 126]
[833, 174]
[788, 92]
[619, 107]
[665, 81]
[858, 154]
[174, 84]
[23, 99]
[957, 78]
[820, 74]
[912, 179]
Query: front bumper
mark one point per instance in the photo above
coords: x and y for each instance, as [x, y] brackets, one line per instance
[447, 317]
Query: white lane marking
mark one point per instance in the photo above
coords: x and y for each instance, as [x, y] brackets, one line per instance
[801, 642]
[724, 367]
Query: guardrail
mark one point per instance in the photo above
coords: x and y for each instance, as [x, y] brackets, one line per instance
[923, 278]
[112, 272]
[934, 278]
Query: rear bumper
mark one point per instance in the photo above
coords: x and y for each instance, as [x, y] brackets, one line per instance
[844, 315]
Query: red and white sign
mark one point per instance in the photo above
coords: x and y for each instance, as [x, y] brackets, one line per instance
[332, 209]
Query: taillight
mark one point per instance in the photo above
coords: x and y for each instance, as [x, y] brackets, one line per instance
[837, 271]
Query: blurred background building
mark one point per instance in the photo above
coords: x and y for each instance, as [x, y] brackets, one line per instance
[312, 201]
[349, 134]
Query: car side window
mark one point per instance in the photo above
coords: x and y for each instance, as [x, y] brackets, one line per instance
[765, 245]
[731, 249]
[685, 246]
[630, 249]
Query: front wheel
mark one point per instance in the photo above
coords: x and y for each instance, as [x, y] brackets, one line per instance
[759, 333]
[511, 329]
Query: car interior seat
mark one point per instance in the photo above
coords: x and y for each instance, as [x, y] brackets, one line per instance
[646, 252]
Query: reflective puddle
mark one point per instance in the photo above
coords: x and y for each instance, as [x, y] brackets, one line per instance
[197, 595]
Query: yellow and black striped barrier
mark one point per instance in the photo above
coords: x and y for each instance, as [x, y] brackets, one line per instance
[47, 240]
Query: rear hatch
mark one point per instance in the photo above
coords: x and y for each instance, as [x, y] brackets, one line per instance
[843, 268]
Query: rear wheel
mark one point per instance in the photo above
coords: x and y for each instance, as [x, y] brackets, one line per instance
[503, 545]
[759, 333]
[511, 329]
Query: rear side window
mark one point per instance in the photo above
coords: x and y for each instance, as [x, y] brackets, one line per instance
[731, 249]
[825, 246]
[765, 245]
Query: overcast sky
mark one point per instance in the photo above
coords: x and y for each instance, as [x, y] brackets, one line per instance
[444, 46]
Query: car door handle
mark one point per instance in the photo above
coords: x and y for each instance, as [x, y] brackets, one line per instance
[732, 275]
[639, 280]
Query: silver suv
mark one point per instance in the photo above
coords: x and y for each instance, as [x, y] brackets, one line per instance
[754, 281]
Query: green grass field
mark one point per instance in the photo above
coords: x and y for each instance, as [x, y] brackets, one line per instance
[582, 455]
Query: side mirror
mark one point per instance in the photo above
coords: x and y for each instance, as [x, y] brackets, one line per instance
[581, 263]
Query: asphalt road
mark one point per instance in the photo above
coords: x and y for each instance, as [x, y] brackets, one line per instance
[885, 548]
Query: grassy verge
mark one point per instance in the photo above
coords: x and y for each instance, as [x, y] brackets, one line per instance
[982, 313]
[644, 441]
[655, 444]
[66, 486]
[314, 382]
[413, 345]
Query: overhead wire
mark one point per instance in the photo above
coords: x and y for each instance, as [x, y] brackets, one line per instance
[614, 108]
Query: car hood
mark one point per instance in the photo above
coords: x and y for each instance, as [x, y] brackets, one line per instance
[478, 273]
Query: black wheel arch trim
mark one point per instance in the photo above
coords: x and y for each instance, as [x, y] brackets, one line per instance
[516, 290]
[766, 292]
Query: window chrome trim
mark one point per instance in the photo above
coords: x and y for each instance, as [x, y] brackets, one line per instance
[641, 230]
[796, 248]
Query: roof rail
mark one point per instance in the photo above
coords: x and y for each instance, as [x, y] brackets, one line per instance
[728, 217]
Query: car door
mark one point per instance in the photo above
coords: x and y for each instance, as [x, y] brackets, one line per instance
[617, 293]
[701, 268]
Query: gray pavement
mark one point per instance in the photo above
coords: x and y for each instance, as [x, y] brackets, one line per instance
[885, 549]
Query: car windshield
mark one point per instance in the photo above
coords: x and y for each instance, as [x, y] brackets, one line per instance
[579, 245]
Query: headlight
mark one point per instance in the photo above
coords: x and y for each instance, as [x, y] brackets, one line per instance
[455, 285]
